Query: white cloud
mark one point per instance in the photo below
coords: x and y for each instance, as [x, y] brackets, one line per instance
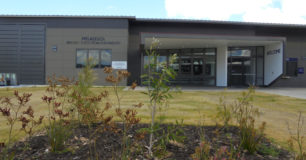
[287, 11]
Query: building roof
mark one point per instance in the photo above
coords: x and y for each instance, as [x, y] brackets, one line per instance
[164, 20]
[221, 22]
[67, 16]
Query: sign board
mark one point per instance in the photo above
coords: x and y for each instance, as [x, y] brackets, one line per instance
[93, 40]
[275, 51]
[301, 70]
[292, 59]
[119, 64]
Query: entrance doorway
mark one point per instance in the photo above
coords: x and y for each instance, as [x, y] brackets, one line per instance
[196, 66]
[245, 66]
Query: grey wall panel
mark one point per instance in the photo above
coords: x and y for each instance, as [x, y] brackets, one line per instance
[22, 52]
[69, 22]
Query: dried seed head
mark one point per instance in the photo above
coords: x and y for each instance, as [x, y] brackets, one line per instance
[108, 70]
[133, 86]
[5, 111]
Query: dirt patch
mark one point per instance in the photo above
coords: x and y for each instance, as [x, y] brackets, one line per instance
[108, 145]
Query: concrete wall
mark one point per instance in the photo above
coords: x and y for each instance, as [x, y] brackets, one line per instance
[63, 62]
[273, 63]
[221, 77]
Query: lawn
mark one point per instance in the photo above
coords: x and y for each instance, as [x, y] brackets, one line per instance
[190, 106]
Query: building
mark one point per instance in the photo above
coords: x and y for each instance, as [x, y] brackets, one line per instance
[210, 53]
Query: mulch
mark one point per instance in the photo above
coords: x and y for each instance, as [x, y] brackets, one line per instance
[108, 145]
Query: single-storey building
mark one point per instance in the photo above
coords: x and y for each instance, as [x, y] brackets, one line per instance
[210, 53]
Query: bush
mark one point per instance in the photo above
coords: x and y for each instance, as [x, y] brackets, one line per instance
[245, 114]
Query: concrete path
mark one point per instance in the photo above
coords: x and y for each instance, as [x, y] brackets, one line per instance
[291, 92]
[283, 91]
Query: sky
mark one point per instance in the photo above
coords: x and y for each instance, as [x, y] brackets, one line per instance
[270, 11]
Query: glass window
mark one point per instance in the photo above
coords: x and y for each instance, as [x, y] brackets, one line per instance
[161, 60]
[210, 64]
[106, 58]
[81, 58]
[93, 55]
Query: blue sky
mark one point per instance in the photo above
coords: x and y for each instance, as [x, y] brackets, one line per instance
[272, 11]
[139, 8]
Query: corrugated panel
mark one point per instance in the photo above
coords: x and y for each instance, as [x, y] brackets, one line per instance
[22, 52]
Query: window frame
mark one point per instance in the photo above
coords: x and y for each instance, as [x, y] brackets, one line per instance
[87, 56]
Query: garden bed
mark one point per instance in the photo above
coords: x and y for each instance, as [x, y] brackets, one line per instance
[108, 145]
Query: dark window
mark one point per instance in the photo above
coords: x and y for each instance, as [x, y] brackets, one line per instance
[100, 58]
[94, 56]
[81, 58]
[291, 68]
[106, 58]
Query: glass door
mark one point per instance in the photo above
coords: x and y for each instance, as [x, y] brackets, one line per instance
[241, 67]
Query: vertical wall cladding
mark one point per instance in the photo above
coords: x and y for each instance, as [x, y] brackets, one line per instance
[69, 39]
[9, 40]
[22, 52]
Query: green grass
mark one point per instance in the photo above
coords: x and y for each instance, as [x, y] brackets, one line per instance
[191, 105]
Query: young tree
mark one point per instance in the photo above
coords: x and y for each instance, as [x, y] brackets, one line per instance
[157, 78]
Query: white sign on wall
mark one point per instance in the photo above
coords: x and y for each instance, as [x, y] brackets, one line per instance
[119, 64]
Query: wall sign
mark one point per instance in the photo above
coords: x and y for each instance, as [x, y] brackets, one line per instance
[292, 59]
[301, 70]
[275, 51]
[93, 40]
[119, 64]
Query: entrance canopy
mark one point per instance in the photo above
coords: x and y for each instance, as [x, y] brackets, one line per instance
[222, 60]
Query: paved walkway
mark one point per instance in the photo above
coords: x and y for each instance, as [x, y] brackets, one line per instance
[284, 91]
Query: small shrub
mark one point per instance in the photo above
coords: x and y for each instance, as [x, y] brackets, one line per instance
[246, 114]
[11, 108]
[173, 134]
[79, 96]
[267, 150]
[58, 117]
[202, 152]
[29, 123]
[228, 153]
[224, 111]
[297, 138]
[127, 116]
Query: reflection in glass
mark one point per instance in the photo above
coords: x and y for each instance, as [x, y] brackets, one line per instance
[240, 53]
[161, 60]
[106, 58]
[175, 66]
[197, 66]
[210, 64]
[185, 65]
[8, 79]
[93, 55]
[81, 58]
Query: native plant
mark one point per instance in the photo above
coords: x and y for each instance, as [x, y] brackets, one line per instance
[81, 107]
[245, 114]
[202, 152]
[157, 77]
[11, 108]
[224, 112]
[58, 130]
[29, 122]
[297, 138]
[128, 116]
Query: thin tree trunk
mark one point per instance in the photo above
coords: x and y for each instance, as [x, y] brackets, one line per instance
[152, 126]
